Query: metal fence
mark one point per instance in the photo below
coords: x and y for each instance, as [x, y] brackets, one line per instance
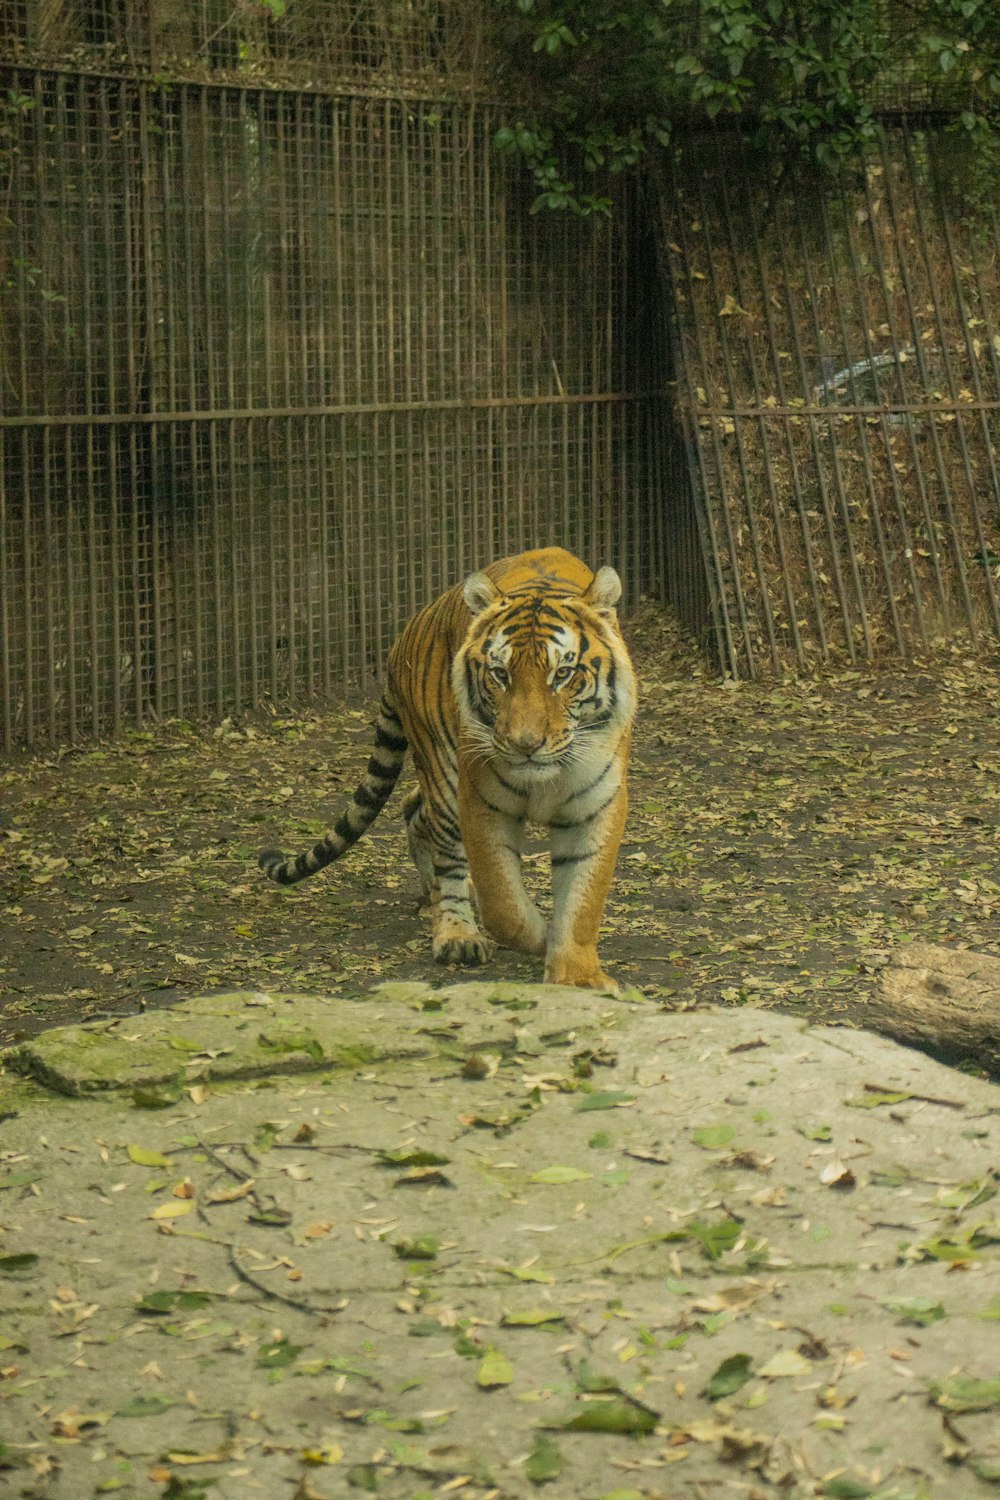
[284, 353]
[281, 363]
[838, 359]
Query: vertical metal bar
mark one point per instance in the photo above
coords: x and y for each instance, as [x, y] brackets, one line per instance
[322, 167]
[50, 553]
[691, 384]
[906, 546]
[748, 487]
[64, 524]
[227, 125]
[903, 261]
[339, 190]
[740, 291]
[254, 565]
[792, 321]
[411, 131]
[95, 578]
[185, 191]
[309, 312]
[7, 664]
[988, 442]
[673, 253]
[796, 321]
[876, 513]
[238, 586]
[29, 591]
[360, 246]
[208, 241]
[156, 275]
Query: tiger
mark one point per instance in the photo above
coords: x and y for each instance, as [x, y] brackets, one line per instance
[516, 695]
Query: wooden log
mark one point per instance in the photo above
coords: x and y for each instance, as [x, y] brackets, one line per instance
[943, 1000]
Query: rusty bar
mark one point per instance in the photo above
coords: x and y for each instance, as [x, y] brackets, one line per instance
[150, 269]
[338, 216]
[840, 487]
[876, 512]
[696, 456]
[988, 443]
[62, 523]
[930, 412]
[839, 503]
[747, 501]
[28, 594]
[755, 380]
[899, 345]
[910, 296]
[383, 408]
[229, 121]
[703, 367]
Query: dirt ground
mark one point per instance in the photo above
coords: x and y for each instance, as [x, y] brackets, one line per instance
[783, 840]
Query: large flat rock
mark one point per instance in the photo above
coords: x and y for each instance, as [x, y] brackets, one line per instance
[252, 1034]
[576, 1247]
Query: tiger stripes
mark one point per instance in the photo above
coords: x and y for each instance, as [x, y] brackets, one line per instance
[515, 694]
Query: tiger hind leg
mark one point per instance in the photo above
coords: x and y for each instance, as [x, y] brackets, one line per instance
[444, 875]
[419, 844]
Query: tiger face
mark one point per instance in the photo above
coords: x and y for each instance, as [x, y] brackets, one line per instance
[537, 673]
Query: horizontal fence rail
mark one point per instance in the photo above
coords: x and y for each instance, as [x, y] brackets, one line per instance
[278, 367]
[838, 359]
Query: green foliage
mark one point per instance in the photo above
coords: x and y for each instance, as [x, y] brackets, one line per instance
[807, 78]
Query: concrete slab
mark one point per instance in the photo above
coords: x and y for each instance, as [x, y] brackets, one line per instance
[576, 1247]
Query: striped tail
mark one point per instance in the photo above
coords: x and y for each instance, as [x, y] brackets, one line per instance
[384, 766]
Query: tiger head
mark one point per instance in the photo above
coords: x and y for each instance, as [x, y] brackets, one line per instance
[539, 672]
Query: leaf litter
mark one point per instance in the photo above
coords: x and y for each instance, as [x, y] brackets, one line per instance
[783, 838]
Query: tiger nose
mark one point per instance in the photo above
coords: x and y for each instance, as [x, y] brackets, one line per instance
[528, 741]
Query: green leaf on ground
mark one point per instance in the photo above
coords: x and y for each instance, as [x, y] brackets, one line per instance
[622, 1415]
[156, 1095]
[146, 1406]
[557, 1175]
[13, 1265]
[532, 1317]
[424, 1247]
[528, 1273]
[715, 1239]
[281, 1352]
[411, 1159]
[965, 1393]
[920, 1310]
[545, 1461]
[165, 1302]
[729, 1377]
[713, 1137]
[18, 1179]
[292, 1041]
[144, 1157]
[494, 1370]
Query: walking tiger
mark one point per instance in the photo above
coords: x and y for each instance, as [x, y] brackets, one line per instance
[515, 693]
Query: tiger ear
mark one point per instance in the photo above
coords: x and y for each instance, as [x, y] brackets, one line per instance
[604, 592]
[479, 592]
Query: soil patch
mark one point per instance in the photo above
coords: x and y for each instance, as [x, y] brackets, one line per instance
[783, 840]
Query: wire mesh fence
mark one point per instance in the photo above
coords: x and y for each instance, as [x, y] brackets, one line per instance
[281, 363]
[839, 376]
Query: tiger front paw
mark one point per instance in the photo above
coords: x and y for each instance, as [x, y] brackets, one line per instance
[456, 944]
[581, 968]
